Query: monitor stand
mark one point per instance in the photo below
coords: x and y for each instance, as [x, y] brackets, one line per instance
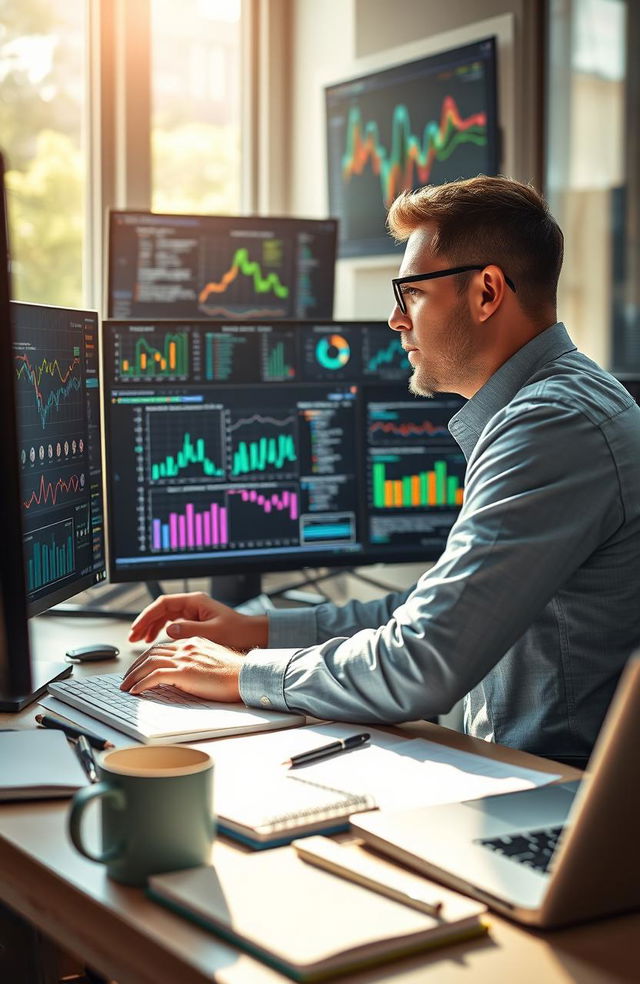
[230, 589]
[42, 674]
[234, 589]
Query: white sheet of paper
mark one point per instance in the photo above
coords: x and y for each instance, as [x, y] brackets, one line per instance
[398, 772]
[421, 773]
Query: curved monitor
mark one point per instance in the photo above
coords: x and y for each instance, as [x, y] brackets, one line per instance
[422, 122]
[219, 266]
[262, 446]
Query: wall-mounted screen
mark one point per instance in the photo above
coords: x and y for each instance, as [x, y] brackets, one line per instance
[424, 122]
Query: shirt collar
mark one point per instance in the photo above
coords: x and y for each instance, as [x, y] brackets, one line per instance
[468, 423]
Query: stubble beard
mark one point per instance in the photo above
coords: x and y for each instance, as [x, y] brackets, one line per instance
[454, 366]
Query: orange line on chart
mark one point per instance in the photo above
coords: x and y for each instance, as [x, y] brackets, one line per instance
[219, 288]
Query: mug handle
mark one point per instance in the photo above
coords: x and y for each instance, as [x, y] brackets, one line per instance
[80, 801]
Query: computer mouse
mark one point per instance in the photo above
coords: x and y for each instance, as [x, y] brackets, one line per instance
[96, 651]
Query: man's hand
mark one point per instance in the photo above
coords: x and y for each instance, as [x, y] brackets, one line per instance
[196, 614]
[196, 666]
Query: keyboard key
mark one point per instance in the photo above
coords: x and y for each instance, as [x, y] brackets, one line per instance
[534, 848]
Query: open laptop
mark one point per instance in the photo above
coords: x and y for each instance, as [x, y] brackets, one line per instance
[549, 856]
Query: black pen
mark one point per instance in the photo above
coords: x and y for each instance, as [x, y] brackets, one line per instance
[333, 748]
[85, 755]
[47, 721]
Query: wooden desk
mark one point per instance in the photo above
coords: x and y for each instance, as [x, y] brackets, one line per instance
[127, 937]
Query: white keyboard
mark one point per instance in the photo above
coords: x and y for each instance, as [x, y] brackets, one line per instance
[165, 714]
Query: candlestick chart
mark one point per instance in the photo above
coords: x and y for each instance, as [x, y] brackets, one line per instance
[262, 444]
[164, 356]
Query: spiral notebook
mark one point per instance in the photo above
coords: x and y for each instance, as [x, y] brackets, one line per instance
[288, 807]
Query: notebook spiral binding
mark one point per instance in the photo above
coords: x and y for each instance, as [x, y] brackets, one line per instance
[344, 801]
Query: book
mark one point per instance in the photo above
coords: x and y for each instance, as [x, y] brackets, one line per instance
[261, 803]
[38, 764]
[304, 921]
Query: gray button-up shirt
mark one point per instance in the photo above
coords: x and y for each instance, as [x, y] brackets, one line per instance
[534, 606]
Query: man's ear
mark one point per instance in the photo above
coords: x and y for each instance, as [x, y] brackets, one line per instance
[490, 291]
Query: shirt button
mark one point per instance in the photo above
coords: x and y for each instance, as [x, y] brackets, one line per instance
[265, 701]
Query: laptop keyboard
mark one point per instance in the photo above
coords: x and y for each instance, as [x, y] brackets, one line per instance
[531, 847]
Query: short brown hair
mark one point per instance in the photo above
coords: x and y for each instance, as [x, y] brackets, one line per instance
[489, 220]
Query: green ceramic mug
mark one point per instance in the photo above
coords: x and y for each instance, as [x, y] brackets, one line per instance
[156, 811]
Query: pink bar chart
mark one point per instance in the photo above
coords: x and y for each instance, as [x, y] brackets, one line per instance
[191, 529]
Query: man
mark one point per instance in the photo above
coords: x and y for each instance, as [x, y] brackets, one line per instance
[532, 609]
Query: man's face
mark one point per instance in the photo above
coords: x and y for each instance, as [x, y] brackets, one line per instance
[437, 330]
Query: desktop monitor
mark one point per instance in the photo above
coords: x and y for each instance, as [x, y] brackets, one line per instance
[15, 662]
[252, 447]
[423, 122]
[226, 267]
[55, 363]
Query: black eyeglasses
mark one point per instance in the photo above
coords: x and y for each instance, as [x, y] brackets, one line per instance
[397, 282]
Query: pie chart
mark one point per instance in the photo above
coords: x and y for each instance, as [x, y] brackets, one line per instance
[333, 352]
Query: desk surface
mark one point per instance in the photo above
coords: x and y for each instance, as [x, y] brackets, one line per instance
[122, 934]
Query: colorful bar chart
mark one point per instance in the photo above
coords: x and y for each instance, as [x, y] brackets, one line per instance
[191, 529]
[277, 365]
[265, 453]
[49, 554]
[191, 453]
[169, 358]
[435, 487]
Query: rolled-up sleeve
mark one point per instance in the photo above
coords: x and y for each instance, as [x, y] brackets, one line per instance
[528, 521]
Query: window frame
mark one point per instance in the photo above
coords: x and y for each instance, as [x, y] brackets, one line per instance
[118, 128]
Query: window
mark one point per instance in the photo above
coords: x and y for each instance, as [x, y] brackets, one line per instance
[592, 172]
[42, 111]
[195, 92]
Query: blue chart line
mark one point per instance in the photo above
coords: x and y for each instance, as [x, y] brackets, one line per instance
[33, 375]
[55, 398]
